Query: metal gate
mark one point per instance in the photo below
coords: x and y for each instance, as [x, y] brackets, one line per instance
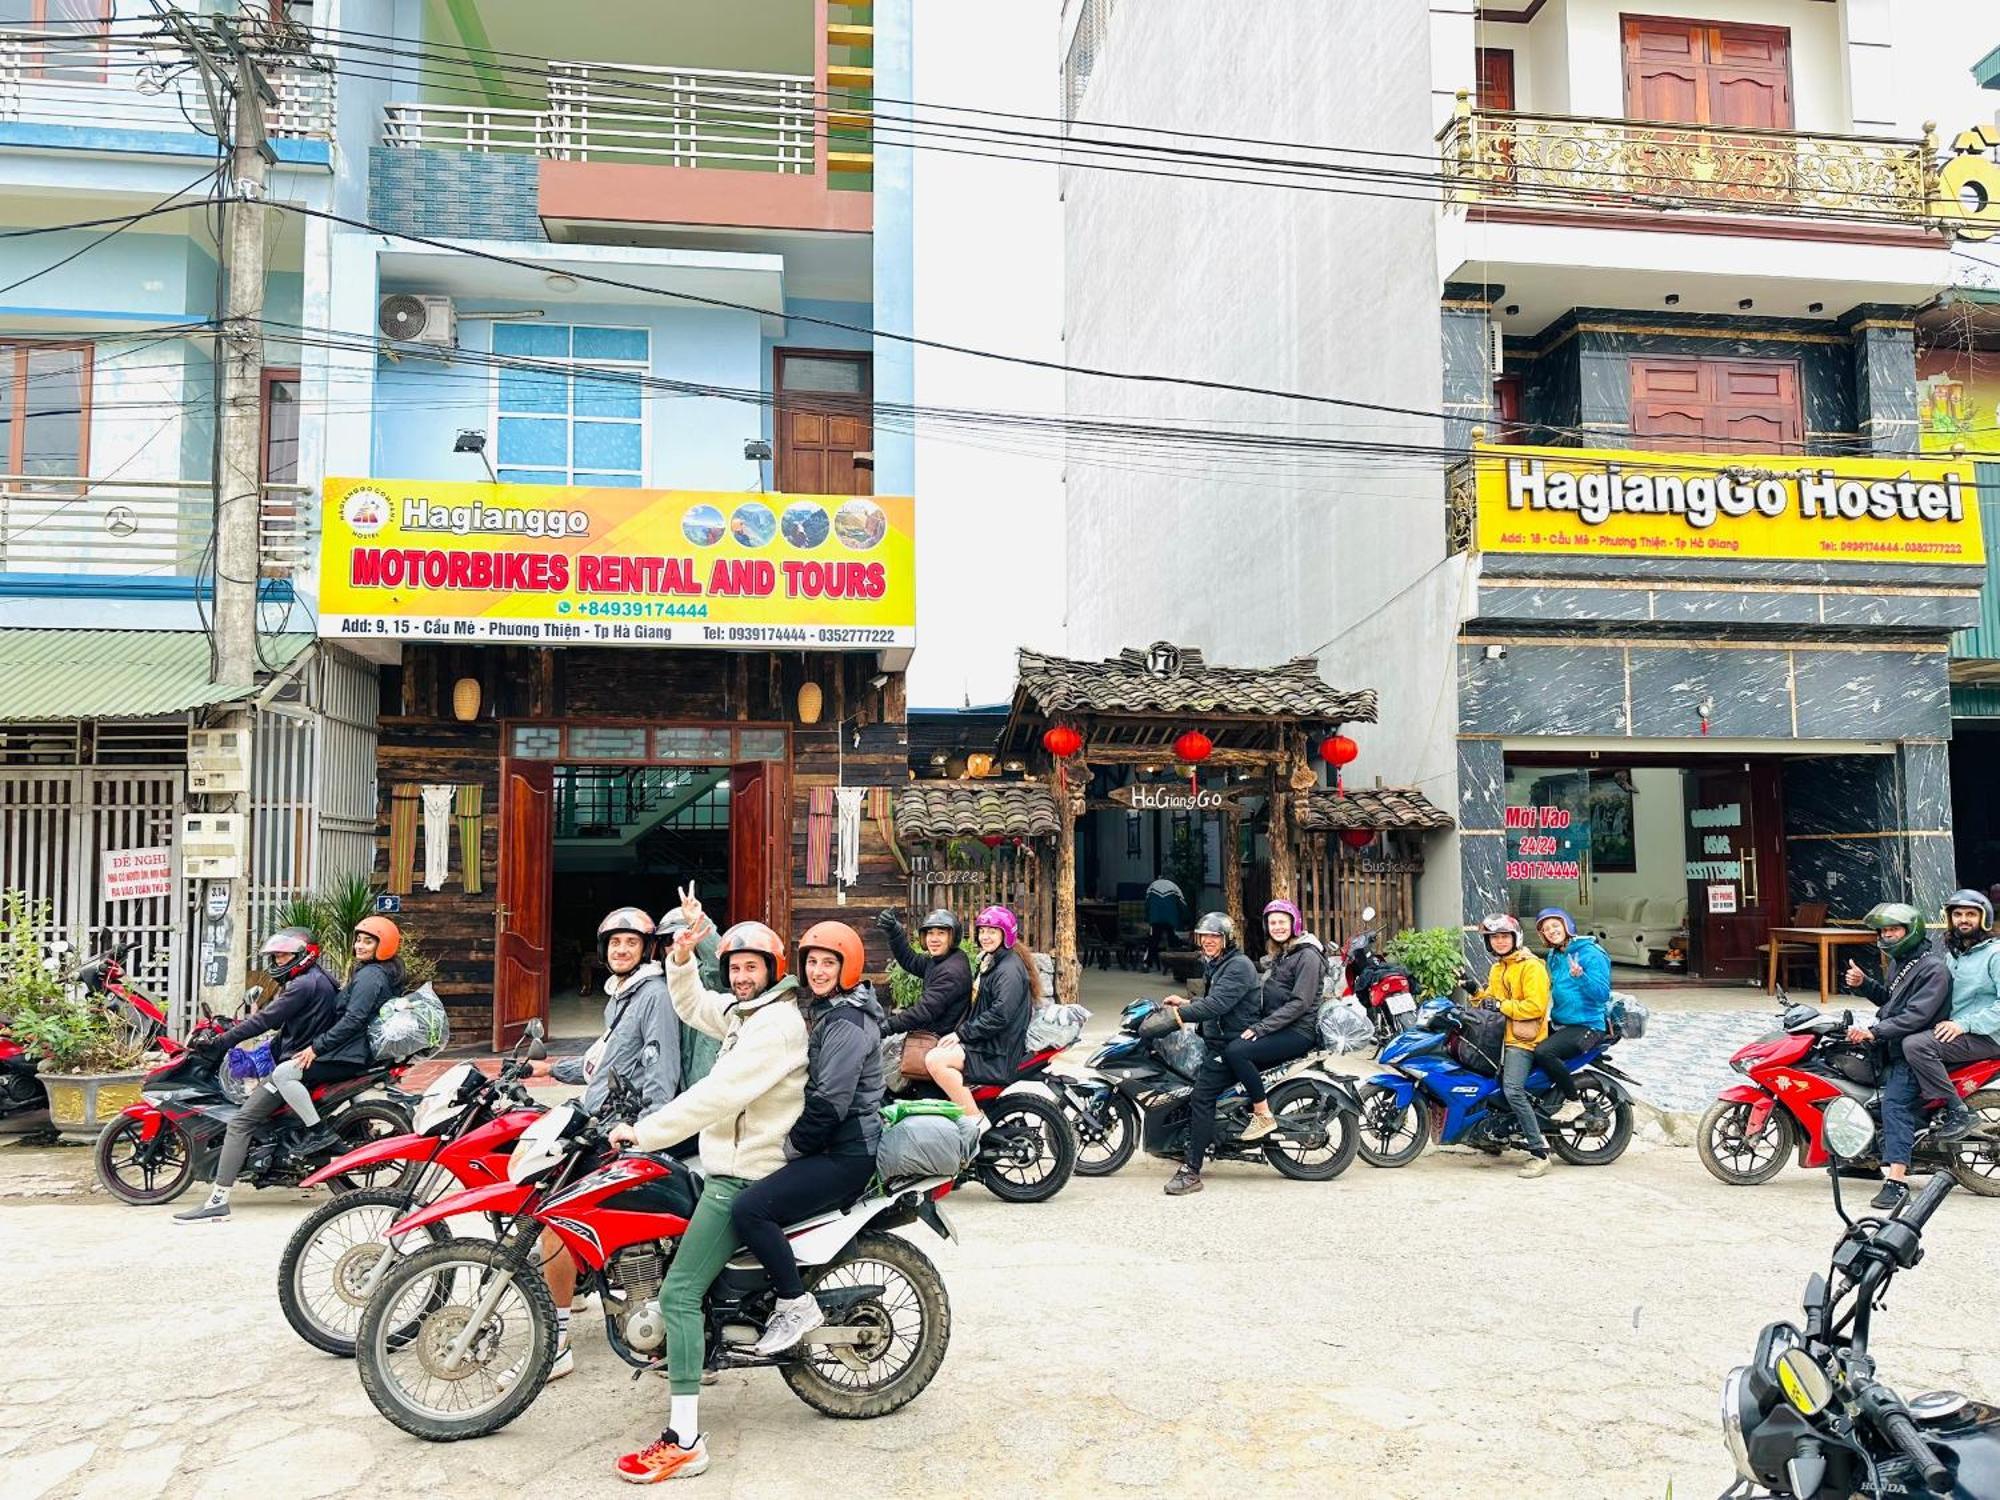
[56, 826]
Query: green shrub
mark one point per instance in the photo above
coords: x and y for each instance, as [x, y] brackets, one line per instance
[1433, 955]
[43, 1007]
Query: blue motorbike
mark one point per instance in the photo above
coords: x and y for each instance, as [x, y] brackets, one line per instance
[1428, 1092]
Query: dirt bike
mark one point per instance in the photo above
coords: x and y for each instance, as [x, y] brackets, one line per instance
[1029, 1149]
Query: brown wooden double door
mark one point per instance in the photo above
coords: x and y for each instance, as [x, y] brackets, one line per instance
[824, 411]
[759, 876]
[1717, 405]
[1707, 73]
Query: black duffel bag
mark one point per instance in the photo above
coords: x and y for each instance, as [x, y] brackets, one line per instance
[1478, 1036]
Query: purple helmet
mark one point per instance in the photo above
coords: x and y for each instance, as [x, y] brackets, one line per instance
[999, 917]
[1298, 920]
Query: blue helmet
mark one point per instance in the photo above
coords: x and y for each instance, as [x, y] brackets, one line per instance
[1569, 923]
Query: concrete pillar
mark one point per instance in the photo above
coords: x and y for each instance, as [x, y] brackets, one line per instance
[1465, 316]
[1885, 379]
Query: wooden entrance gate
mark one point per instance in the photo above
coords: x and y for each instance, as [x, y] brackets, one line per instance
[1336, 883]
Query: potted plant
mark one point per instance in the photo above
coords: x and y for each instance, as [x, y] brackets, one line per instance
[1433, 955]
[88, 1067]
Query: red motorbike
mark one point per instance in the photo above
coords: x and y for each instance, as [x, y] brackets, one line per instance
[1030, 1146]
[1796, 1071]
[1387, 990]
[458, 1339]
[463, 1136]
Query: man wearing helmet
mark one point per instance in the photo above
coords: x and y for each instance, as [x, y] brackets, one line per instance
[942, 966]
[990, 1043]
[698, 1049]
[1232, 1001]
[743, 1110]
[830, 1151]
[302, 1009]
[641, 1045]
[1913, 998]
[1517, 985]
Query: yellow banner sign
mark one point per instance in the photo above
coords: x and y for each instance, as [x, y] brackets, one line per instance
[412, 559]
[1594, 502]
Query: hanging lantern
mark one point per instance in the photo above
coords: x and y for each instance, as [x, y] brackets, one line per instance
[991, 840]
[1194, 747]
[1357, 838]
[979, 764]
[1338, 750]
[1061, 741]
[810, 700]
[465, 699]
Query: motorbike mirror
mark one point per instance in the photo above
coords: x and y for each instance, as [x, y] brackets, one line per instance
[1848, 1131]
[1367, 913]
[535, 1030]
[537, 1051]
[1805, 1384]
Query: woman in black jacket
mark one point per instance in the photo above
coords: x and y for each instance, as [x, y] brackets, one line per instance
[340, 1051]
[1290, 1019]
[988, 1045]
[942, 966]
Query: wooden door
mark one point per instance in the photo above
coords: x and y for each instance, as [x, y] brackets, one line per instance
[1670, 404]
[1702, 73]
[1717, 405]
[823, 421]
[760, 882]
[1736, 866]
[1496, 78]
[1507, 410]
[521, 921]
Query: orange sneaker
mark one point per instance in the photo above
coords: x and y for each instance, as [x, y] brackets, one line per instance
[664, 1459]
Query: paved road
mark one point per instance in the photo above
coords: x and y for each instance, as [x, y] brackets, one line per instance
[1444, 1330]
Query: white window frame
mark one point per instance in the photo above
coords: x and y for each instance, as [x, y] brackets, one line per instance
[547, 474]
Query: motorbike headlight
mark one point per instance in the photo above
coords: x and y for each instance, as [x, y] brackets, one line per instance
[1740, 1066]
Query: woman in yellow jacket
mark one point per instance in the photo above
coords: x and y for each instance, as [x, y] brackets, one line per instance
[1518, 987]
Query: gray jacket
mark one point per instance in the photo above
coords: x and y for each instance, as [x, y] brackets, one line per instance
[843, 1112]
[644, 1047]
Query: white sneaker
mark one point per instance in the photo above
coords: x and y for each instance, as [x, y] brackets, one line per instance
[565, 1364]
[791, 1320]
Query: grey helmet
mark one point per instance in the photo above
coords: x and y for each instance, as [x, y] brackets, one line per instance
[1973, 899]
[1217, 923]
[941, 917]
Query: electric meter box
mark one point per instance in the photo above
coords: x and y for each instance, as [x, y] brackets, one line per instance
[218, 761]
[212, 846]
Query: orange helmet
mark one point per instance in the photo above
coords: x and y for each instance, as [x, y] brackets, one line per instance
[838, 938]
[388, 936]
[753, 937]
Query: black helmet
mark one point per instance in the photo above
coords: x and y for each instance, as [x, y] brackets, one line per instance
[288, 952]
[1217, 924]
[625, 919]
[1972, 899]
[948, 920]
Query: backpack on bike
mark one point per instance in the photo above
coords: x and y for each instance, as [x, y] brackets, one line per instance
[1478, 1039]
[1625, 1017]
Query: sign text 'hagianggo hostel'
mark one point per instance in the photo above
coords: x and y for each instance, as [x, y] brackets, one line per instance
[1597, 502]
[574, 565]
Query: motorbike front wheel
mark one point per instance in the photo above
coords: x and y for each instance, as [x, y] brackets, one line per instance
[418, 1314]
[1392, 1134]
[334, 1261]
[1316, 1139]
[1975, 1161]
[1104, 1147]
[1584, 1141]
[134, 1170]
[908, 1326]
[1028, 1151]
[1733, 1155]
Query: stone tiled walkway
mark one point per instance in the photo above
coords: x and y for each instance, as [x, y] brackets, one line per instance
[1682, 1062]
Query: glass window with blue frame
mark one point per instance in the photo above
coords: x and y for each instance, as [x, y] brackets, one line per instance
[571, 409]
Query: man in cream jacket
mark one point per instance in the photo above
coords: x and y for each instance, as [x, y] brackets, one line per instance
[742, 1110]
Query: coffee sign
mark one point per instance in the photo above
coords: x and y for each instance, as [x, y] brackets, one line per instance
[1175, 797]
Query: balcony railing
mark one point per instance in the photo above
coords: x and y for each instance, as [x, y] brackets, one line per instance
[680, 117]
[155, 528]
[1589, 164]
[88, 78]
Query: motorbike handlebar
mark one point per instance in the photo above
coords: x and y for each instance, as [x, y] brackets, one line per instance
[1902, 1433]
[1929, 1200]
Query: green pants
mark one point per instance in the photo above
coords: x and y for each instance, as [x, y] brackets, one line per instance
[704, 1250]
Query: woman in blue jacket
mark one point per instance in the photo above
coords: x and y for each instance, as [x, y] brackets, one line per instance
[1579, 995]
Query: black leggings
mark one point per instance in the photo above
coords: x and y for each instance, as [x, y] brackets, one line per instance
[1247, 1060]
[798, 1190]
[1557, 1048]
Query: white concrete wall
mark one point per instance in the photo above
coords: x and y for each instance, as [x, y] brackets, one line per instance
[988, 273]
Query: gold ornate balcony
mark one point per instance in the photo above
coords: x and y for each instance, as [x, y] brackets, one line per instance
[1585, 164]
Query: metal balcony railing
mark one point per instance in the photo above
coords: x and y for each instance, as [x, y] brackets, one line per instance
[1588, 164]
[124, 527]
[680, 117]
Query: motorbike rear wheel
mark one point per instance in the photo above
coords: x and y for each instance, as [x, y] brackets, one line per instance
[1584, 1145]
[357, 1125]
[1301, 1101]
[910, 1327]
[143, 1172]
[1384, 1125]
[1739, 1159]
[1976, 1162]
[325, 1274]
[419, 1311]
[1109, 1149]
[1042, 1154]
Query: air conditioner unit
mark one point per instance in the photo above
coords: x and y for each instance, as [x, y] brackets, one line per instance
[412, 318]
[1496, 353]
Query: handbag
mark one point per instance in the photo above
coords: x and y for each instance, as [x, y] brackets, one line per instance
[1522, 1030]
[916, 1050]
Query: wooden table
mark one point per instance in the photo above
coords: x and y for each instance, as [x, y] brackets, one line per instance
[1825, 940]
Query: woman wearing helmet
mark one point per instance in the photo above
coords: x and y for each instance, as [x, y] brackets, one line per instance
[942, 966]
[341, 1050]
[302, 1008]
[1517, 985]
[743, 1111]
[1289, 1024]
[991, 1041]
[830, 1150]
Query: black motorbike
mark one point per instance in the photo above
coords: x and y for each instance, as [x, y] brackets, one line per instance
[173, 1135]
[1807, 1419]
[1155, 1066]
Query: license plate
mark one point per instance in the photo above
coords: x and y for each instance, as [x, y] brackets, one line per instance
[1401, 1005]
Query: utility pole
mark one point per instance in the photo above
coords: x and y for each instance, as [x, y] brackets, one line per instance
[238, 95]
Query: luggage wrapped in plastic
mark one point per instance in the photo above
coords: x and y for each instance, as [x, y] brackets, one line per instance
[1056, 1026]
[1478, 1038]
[1184, 1051]
[1628, 1017]
[1344, 1025]
[408, 1026]
[920, 1146]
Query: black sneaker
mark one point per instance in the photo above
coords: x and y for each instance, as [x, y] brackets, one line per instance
[1954, 1123]
[1892, 1197]
[320, 1142]
[1182, 1183]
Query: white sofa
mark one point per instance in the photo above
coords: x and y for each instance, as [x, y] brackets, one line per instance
[1628, 928]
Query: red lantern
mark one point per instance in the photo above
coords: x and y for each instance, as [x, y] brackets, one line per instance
[992, 840]
[1194, 747]
[1061, 741]
[1357, 838]
[1338, 750]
